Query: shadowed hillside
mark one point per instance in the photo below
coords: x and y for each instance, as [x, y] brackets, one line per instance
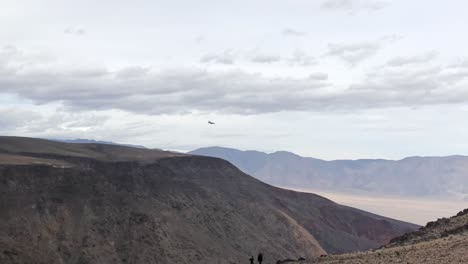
[91, 203]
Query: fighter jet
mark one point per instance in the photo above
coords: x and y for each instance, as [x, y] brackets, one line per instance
[211, 123]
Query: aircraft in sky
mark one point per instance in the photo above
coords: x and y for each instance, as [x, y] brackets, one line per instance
[211, 123]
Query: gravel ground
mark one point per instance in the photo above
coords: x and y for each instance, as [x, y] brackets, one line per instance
[450, 250]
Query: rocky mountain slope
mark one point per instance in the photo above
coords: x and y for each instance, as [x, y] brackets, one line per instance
[92, 203]
[444, 241]
[441, 228]
[413, 176]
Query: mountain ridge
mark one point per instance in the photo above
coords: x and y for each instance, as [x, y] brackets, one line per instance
[412, 176]
[114, 204]
[320, 159]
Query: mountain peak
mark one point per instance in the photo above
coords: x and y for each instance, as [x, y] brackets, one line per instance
[285, 154]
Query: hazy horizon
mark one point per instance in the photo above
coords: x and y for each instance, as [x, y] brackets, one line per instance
[410, 209]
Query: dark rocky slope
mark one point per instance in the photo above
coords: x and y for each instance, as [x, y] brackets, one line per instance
[68, 203]
[441, 228]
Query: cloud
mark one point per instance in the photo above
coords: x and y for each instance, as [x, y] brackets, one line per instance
[133, 72]
[200, 38]
[353, 5]
[417, 59]
[62, 120]
[292, 32]
[192, 90]
[8, 52]
[462, 63]
[15, 118]
[301, 58]
[227, 57]
[162, 92]
[51, 120]
[77, 31]
[263, 58]
[413, 86]
[318, 76]
[355, 53]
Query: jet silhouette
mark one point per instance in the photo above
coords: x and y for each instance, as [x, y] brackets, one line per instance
[211, 123]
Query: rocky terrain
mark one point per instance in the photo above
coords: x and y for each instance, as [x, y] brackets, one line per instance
[441, 228]
[92, 203]
[444, 241]
[441, 177]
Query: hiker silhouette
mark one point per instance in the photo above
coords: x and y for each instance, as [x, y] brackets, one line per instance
[251, 260]
[260, 258]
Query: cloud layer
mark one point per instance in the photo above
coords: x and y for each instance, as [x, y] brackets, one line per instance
[353, 5]
[195, 90]
[293, 32]
[78, 31]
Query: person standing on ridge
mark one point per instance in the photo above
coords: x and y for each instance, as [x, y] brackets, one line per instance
[251, 260]
[260, 258]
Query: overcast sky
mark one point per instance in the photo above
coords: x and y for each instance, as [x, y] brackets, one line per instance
[331, 79]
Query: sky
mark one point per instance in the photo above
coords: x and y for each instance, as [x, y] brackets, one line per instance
[331, 79]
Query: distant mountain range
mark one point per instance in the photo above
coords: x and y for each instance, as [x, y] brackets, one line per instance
[410, 177]
[102, 203]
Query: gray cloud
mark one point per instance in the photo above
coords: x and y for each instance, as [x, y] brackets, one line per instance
[143, 90]
[463, 63]
[318, 76]
[7, 53]
[263, 58]
[65, 121]
[227, 57]
[353, 5]
[162, 92]
[293, 32]
[69, 125]
[200, 38]
[355, 53]
[301, 58]
[417, 59]
[135, 72]
[413, 86]
[15, 118]
[77, 31]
